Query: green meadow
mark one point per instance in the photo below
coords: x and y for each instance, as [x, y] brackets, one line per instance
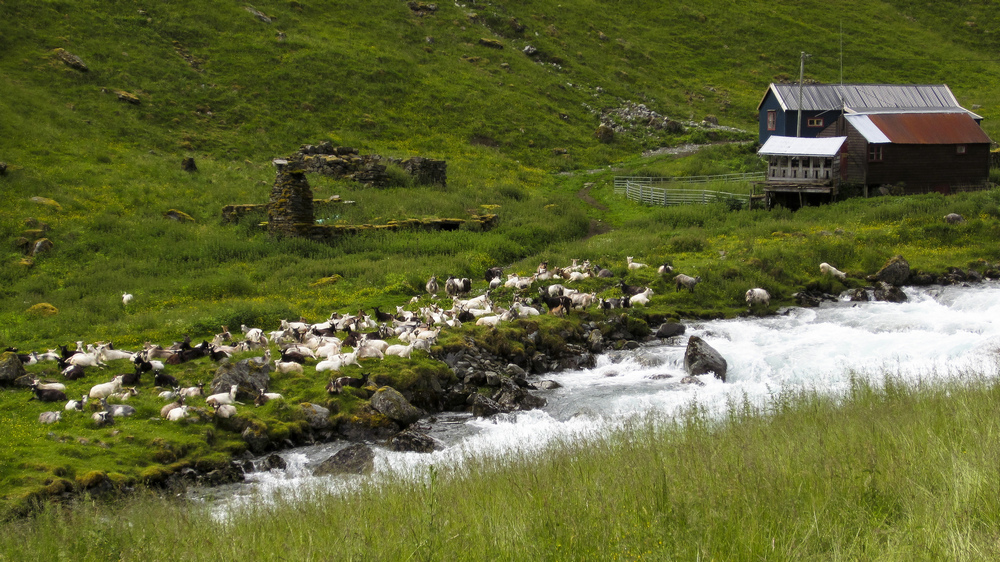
[510, 94]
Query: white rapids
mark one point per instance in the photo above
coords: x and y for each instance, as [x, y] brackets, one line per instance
[941, 333]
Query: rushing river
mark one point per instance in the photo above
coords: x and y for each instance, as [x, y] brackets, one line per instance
[940, 333]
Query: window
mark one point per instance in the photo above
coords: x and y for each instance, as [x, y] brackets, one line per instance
[960, 149]
[772, 119]
[874, 152]
[815, 122]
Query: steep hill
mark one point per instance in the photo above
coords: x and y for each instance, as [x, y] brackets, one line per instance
[506, 92]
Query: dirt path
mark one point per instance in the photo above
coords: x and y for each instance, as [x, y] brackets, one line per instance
[596, 227]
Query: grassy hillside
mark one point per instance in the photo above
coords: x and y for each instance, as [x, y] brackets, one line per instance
[217, 83]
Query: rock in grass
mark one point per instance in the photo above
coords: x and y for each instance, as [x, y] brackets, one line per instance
[179, 216]
[41, 245]
[71, 60]
[47, 202]
[258, 14]
[11, 368]
[701, 358]
[353, 459]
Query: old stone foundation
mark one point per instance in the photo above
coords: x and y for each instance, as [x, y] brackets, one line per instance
[343, 162]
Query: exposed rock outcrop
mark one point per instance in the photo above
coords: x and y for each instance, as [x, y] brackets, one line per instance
[895, 271]
[11, 368]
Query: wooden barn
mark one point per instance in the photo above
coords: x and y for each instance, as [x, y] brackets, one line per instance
[915, 152]
[824, 104]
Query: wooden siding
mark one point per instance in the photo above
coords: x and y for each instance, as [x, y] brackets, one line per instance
[787, 122]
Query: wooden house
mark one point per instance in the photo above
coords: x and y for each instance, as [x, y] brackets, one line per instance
[824, 104]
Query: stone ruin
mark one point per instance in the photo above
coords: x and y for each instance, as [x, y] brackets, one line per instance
[343, 162]
[290, 210]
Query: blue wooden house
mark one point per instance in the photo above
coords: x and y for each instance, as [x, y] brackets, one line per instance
[824, 104]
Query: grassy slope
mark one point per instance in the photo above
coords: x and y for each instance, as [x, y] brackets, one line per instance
[367, 76]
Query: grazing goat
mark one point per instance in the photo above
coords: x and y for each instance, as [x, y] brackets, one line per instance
[664, 269]
[634, 265]
[127, 298]
[686, 281]
[827, 269]
[758, 296]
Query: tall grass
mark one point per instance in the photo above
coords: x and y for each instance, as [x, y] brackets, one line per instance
[889, 471]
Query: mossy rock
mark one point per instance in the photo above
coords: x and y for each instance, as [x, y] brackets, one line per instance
[42, 310]
[179, 216]
[70, 59]
[92, 479]
[154, 474]
[47, 202]
[126, 97]
[491, 43]
[58, 486]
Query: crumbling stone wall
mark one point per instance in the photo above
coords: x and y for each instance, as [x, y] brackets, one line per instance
[290, 208]
[344, 162]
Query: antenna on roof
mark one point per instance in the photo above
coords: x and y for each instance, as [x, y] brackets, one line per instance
[802, 73]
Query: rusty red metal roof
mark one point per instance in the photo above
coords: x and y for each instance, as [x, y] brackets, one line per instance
[929, 128]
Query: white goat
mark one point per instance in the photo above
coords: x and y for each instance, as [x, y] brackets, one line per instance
[758, 296]
[827, 269]
[400, 350]
[225, 411]
[223, 397]
[49, 417]
[177, 414]
[104, 390]
[127, 298]
[641, 299]
[634, 265]
[287, 367]
[50, 386]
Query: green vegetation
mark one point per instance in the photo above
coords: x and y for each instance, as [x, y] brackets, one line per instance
[890, 472]
[215, 82]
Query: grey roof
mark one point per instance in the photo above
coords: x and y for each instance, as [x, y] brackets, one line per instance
[866, 97]
[802, 146]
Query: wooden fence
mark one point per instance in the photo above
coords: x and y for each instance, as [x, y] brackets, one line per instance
[642, 190]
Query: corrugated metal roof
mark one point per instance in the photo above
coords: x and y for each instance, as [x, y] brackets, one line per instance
[867, 129]
[865, 97]
[919, 128]
[802, 146]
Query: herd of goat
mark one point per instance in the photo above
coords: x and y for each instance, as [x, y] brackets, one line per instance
[324, 343]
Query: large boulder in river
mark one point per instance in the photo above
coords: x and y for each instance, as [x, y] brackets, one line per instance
[11, 368]
[413, 441]
[889, 293]
[512, 397]
[895, 271]
[701, 358]
[669, 330]
[353, 459]
[250, 375]
[391, 404]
